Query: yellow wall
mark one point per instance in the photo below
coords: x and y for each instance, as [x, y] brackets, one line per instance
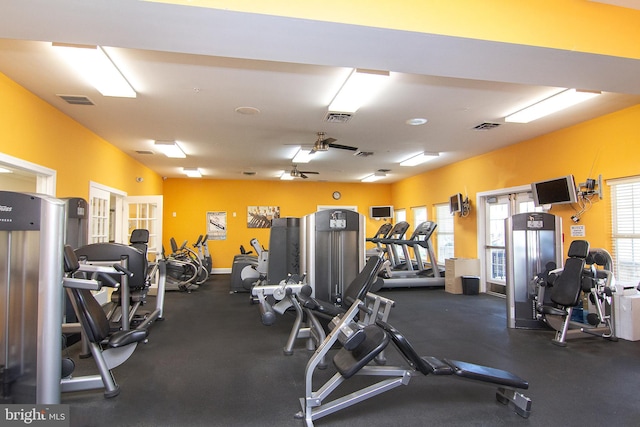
[575, 25]
[191, 199]
[35, 131]
[608, 145]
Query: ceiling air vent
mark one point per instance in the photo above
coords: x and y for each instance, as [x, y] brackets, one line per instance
[363, 153]
[248, 173]
[486, 126]
[144, 152]
[76, 99]
[333, 117]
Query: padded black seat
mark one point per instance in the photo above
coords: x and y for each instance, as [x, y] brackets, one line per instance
[566, 287]
[348, 363]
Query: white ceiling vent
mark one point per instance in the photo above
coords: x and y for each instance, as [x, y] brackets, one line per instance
[76, 99]
[144, 152]
[486, 126]
[333, 117]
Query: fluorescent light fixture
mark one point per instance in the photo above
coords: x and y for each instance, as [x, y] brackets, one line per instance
[555, 103]
[4, 170]
[419, 159]
[286, 176]
[95, 66]
[374, 177]
[361, 86]
[304, 155]
[192, 172]
[170, 149]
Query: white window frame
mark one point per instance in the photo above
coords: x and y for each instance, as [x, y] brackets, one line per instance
[444, 217]
[625, 227]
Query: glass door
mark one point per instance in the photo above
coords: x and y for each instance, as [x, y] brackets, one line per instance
[498, 208]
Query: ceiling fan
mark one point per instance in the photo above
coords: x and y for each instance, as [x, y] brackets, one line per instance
[323, 144]
[301, 174]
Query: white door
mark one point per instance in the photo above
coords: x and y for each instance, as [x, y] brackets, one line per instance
[106, 211]
[146, 212]
[99, 214]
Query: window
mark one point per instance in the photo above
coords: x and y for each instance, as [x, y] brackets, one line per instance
[400, 214]
[419, 215]
[625, 236]
[444, 233]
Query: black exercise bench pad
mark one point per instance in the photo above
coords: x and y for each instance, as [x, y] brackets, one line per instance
[432, 365]
[487, 374]
[348, 363]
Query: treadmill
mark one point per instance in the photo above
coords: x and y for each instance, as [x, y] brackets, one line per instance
[416, 273]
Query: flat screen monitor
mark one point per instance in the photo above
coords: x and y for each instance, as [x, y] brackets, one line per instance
[555, 191]
[455, 203]
[381, 212]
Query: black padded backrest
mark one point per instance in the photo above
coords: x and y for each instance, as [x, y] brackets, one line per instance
[578, 249]
[91, 315]
[139, 239]
[139, 235]
[405, 348]
[361, 284]
[112, 252]
[567, 287]
[71, 263]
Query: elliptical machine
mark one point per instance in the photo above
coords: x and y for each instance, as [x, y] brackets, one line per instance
[183, 267]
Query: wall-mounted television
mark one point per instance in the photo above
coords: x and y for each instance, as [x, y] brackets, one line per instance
[381, 212]
[455, 203]
[555, 191]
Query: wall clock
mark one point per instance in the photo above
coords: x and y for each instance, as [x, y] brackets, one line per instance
[336, 195]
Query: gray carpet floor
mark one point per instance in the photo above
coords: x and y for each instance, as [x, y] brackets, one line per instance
[212, 363]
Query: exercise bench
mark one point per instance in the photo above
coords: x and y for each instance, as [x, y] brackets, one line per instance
[355, 359]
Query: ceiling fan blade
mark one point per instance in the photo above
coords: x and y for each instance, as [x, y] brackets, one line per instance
[343, 147]
[310, 172]
[303, 176]
[328, 140]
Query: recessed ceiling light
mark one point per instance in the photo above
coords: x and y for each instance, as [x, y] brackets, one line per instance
[247, 110]
[416, 121]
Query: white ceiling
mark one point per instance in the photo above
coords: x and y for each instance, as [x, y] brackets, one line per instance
[192, 67]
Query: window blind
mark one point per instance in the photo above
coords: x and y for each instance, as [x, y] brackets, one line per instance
[625, 215]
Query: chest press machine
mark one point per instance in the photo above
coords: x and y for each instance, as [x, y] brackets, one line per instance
[356, 354]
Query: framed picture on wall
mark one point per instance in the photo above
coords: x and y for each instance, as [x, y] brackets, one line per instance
[261, 216]
[216, 225]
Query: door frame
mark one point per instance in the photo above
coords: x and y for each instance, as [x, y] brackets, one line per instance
[45, 177]
[481, 225]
